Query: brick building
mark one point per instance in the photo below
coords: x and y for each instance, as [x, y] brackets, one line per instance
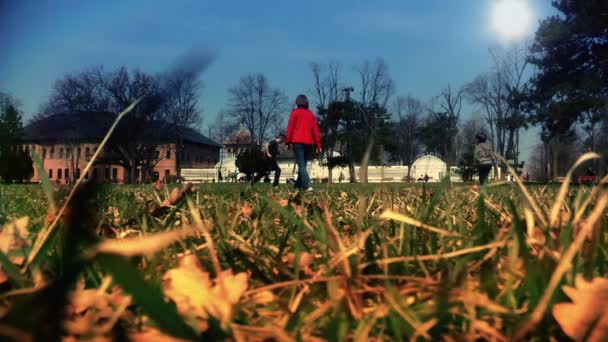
[66, 142]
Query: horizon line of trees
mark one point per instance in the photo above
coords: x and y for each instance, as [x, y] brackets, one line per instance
[556, 82]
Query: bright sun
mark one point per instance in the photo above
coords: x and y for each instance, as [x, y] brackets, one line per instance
[511, 19]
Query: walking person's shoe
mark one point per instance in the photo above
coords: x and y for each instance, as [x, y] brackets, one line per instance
[309, 189]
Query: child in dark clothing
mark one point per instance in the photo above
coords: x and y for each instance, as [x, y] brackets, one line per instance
[271, 151]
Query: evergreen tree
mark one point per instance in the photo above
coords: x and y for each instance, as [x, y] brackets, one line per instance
[15, 163]
[570, 52]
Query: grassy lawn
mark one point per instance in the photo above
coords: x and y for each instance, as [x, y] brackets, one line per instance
[347, 261]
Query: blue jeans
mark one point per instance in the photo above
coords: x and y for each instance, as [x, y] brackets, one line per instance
[302, 153]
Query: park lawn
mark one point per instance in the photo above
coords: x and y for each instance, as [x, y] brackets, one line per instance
[384, 261]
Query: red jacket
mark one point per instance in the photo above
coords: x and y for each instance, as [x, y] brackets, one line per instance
[303, 128]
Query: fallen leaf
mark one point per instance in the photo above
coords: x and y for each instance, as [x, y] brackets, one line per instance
[306, 260]
[586, 318]
[195, 295]
[246, 210]
[14, 235]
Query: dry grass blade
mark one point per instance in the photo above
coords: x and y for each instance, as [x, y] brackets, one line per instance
[389, 215]
[525, 192]
[337, 243]
[292, 283]
[563, 190]
[435, 257]
[44, 235]
[581, 210]
[145, 245]
[209, 240]
[563, 266]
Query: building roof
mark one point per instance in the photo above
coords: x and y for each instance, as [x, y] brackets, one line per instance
[92, 127]
[429, 160]
[242, 137]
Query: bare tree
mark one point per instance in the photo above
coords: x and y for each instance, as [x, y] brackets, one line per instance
[181, 105]
[80, 92]
[375, 84]
[326, 84]
[326, 93]
[375, 90]
[257, 105]
[182, 85]
[409, 112]
[498, 94]
[444, 115]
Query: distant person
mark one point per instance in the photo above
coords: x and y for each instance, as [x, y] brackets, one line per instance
[426, 178]
[341, 178]
[483, 156]
[303, 136]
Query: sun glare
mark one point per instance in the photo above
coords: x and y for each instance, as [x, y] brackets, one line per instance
[511, 19]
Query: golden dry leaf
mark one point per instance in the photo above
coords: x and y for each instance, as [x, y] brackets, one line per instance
[586, 318]
[246, 210]
[91, 310]
[227, 291]
[14, 235]
[306, 260]
[196, 296]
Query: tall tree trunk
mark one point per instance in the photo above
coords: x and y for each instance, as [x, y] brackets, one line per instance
[351, 171]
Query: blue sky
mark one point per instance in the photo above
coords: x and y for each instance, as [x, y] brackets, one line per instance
[427, 44]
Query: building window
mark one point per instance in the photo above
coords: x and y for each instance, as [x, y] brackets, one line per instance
[87, 152]
[52, 153]
[50, 173]
[168, 154]
[78, 152]
[77, 175]
[68, 152]
[167, 173]
[67, 173]
[114, 173]
[59, 173]
[107, 173]
[157, 154]
[60, 153]
[44, 153]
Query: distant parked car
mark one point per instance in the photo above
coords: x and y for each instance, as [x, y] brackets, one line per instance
[587, 179]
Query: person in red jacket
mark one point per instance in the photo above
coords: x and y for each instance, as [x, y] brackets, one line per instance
[303, 136]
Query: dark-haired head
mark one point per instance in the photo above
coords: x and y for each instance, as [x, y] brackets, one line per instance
[302, 101]
[481, 137]
[280, 137]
